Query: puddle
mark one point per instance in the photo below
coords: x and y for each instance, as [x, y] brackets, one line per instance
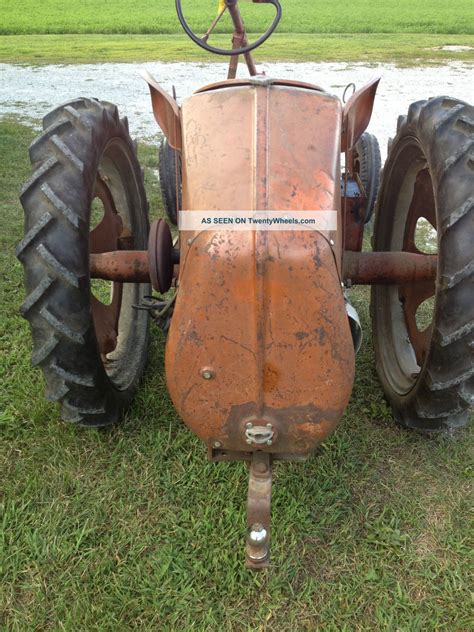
[30, 92]
[455, 48]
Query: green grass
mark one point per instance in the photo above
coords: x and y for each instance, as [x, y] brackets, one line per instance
[400, 48]
[132, 528]
[299, 16]
[402, 31]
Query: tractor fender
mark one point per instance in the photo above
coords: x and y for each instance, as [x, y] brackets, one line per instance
[165, 111]
[357, 113]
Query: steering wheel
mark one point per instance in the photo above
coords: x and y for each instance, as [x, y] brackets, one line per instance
[231, 5]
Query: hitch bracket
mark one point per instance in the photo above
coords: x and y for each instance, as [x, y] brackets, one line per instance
[258, 511]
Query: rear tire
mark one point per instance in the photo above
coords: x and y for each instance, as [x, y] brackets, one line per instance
[427, 373]
[83, 142]
[169, 167]
[368, 163]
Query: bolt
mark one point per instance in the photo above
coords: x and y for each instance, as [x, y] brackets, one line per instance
[190, 241]
[261, 468]
[269, 426]
[207, 374]
[217, 444]
[249, 441]
[331, 241]
[249, 425]
[269, 442]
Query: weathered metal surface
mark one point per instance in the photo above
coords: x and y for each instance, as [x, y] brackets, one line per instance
[160, 256]
[239, 40]
[259, 499]
[122, 266]
[105, 235]
[389, 268]
[412, 295]
[246, 149]
[103, 238]
[354, 204]
[166, 111]
[268, 317]
[360, 268]
[238, 83]
[106, 320]
[357, 113]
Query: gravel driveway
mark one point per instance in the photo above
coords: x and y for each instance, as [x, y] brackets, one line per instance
[30, 92]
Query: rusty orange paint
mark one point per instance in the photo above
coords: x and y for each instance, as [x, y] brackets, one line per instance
[269, 323]
[357, 113]
[165, 111]
[261, 315]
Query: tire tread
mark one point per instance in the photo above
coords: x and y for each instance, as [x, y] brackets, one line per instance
[441, 397]
[56, 200]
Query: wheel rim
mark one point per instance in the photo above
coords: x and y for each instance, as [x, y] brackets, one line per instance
[414, 295]
[105, 237]
[117, 194]
[410, 307]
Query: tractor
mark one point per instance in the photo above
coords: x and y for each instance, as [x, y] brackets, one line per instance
[261, 335]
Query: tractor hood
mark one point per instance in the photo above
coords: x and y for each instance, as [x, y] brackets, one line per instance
[259, 354]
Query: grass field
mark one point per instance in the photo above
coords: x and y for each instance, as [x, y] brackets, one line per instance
[299, 16]
[131, 528]
[404, 49]
[403, 32]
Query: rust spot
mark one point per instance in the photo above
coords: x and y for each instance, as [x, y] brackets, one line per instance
[317, 257]
[194, 337]
[321, 333]
[270, 378]
[301, 334]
